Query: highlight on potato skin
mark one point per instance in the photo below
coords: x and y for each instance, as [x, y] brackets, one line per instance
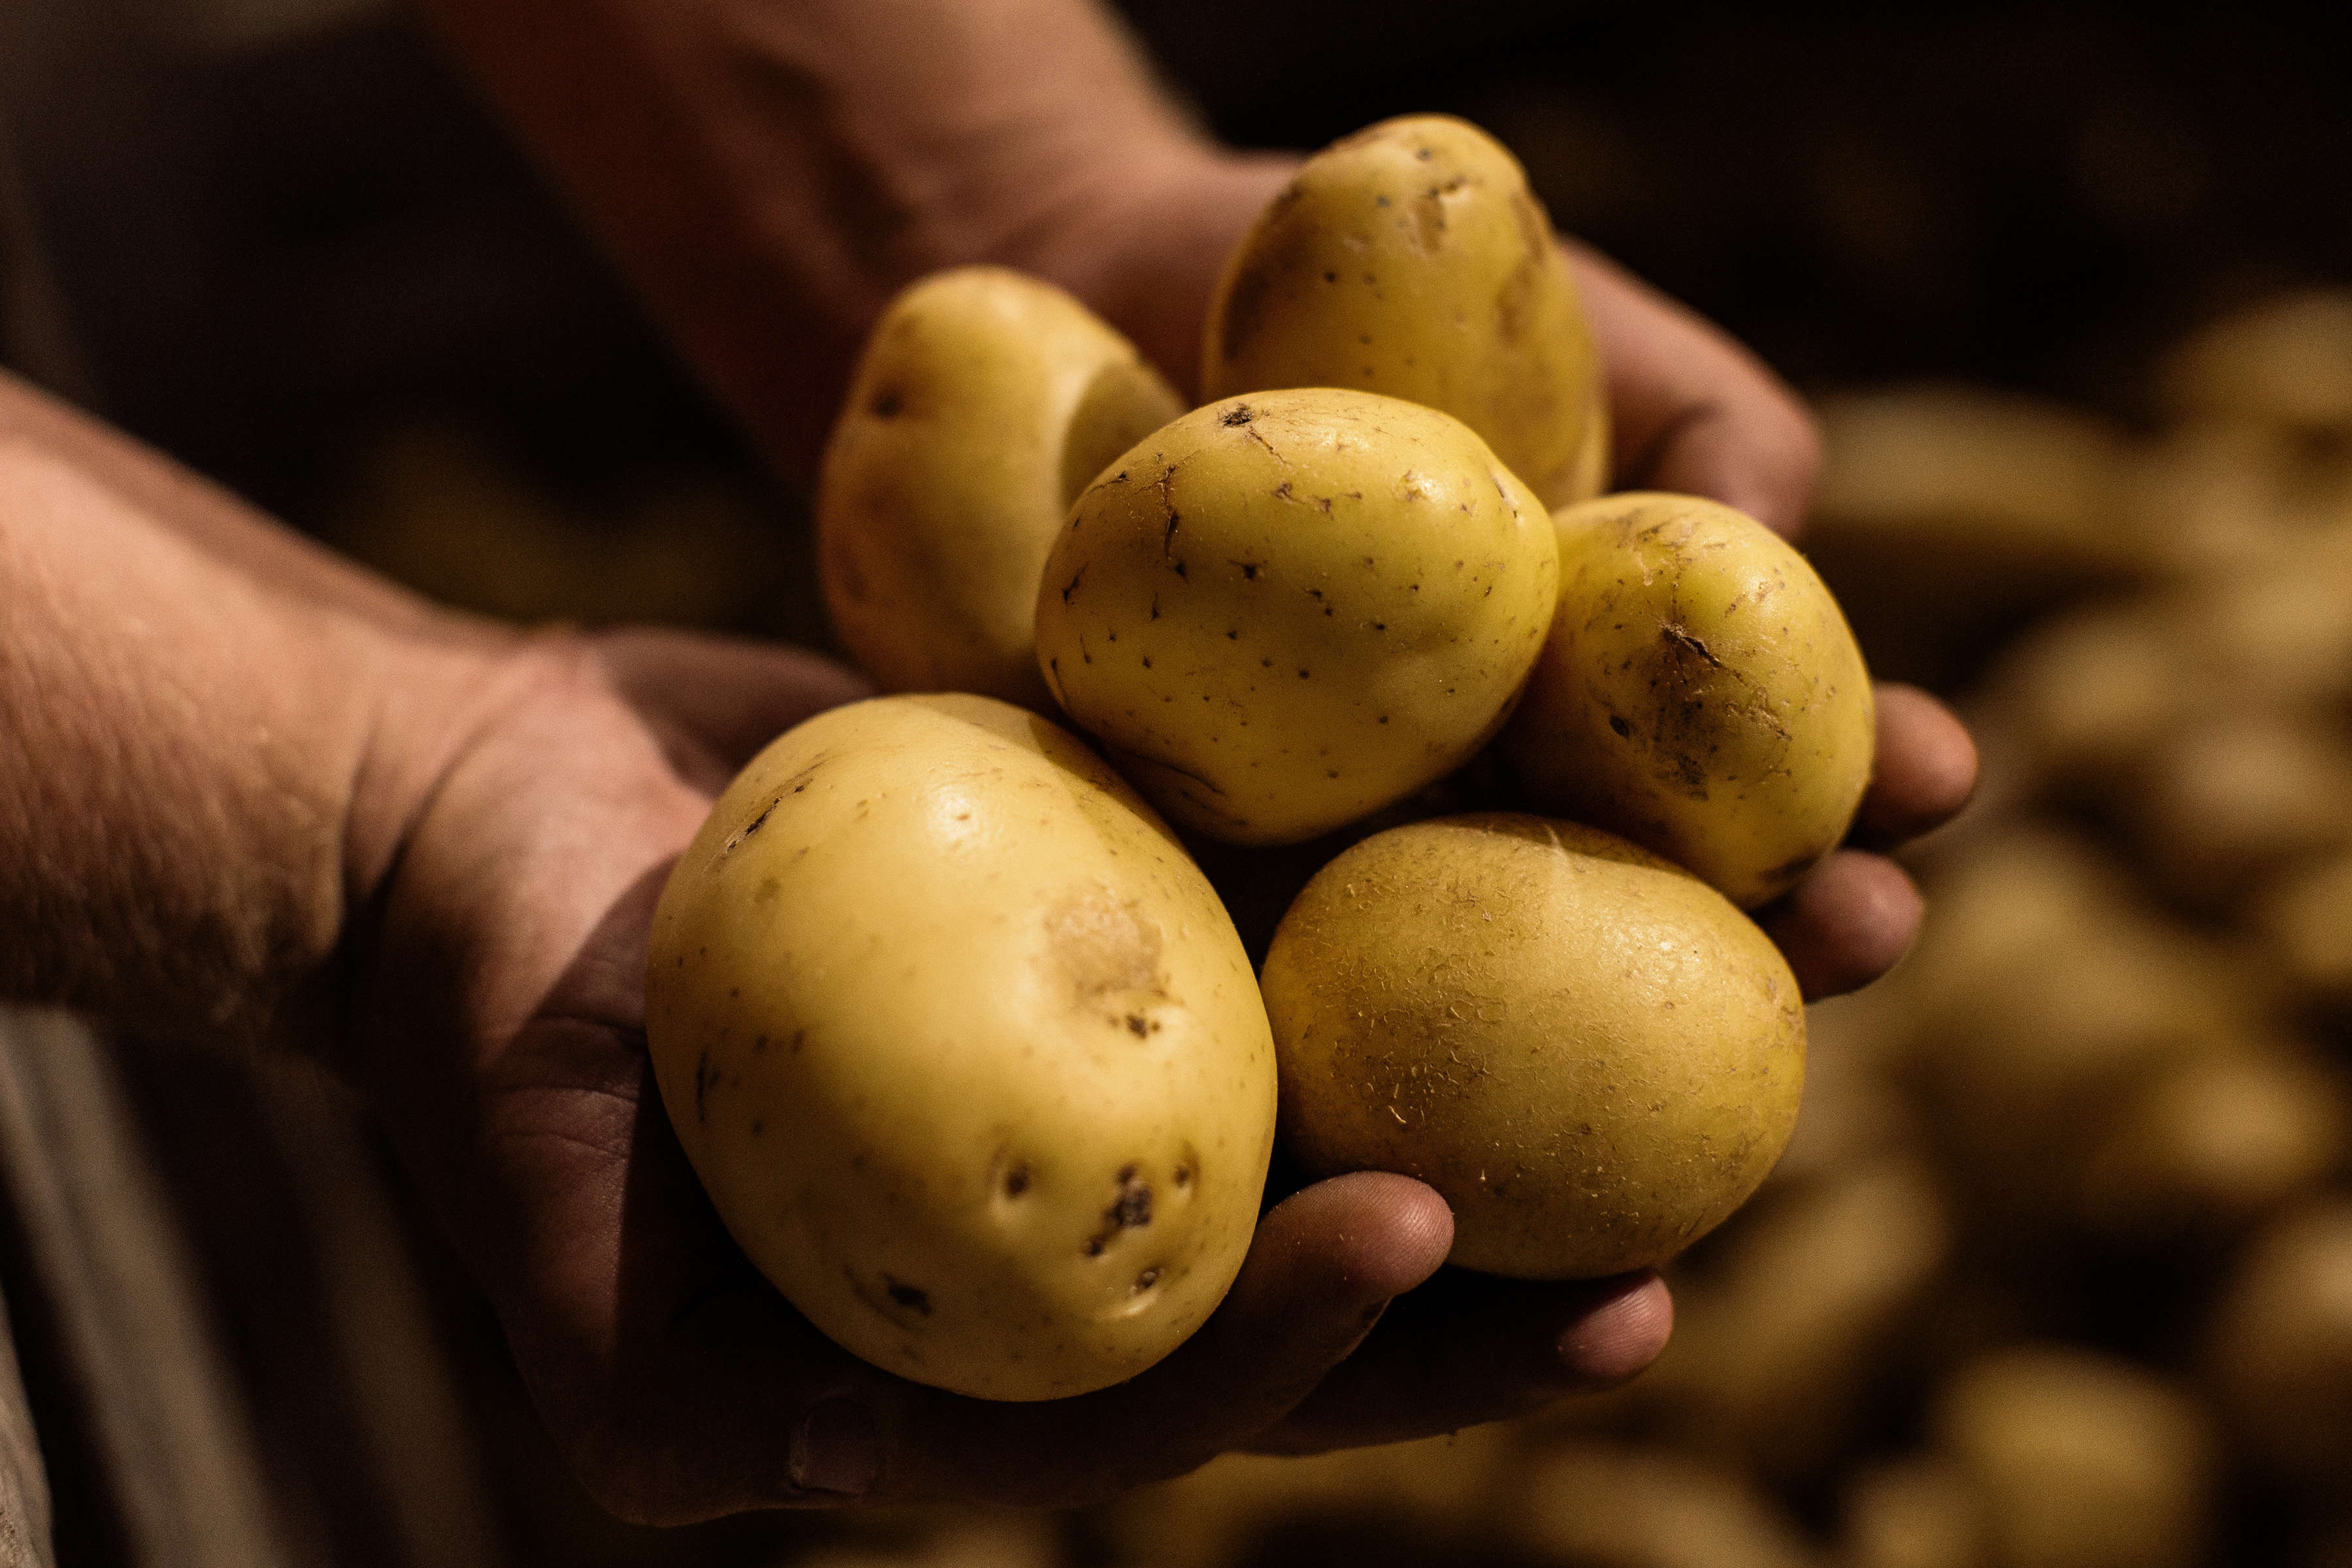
[1588, 1051]
[1699, 694]
[963, 1047]
[1412, 259]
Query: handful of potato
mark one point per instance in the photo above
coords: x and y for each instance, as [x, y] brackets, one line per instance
[963, 1043]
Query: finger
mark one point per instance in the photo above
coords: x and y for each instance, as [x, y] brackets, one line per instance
[1325, 1262]
[1925, 769]
[1470, 1347]
[717, 700]
[1845, 924]
[1693, 412]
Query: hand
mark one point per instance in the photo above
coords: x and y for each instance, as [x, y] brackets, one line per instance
[501, 1035]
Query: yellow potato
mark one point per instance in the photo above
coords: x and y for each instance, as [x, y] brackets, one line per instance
[985, 401]
[2078, 1461]
[963, 1047]
[1288, 610]
[1412, 259]
[1592, 1055]
[1699, 694]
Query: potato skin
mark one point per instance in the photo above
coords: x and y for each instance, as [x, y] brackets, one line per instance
[1588, 1052]
[1700, 693]
[983, 402]
[963, 1047]
[1412, 259]
[1285, 610]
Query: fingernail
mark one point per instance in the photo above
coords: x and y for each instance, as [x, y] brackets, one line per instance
[836, 1449]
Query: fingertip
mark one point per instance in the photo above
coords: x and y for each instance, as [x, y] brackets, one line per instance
[1848, 922]
[1620, 1336]
[1765, 462]
[1382, 1233]
[1925, 769]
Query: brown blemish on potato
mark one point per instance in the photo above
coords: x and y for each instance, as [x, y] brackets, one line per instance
[1132, 1207]
[906, 1295]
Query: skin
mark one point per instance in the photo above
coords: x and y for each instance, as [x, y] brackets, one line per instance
[439, 871]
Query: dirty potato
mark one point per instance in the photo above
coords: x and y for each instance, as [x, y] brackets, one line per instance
[1412, 259]
[985, 400]
[963, 1047]
[1590, 1054]
[1699, 694]
[1288, 610]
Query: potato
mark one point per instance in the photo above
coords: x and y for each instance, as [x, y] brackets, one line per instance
[2237, 799]
[2208, 1145]
[985, 400]
[1601, 1505]
[1412, 259]
[1910, 1514]
[2305, 921]
[1699, 694]
[2078, 1461]
[1809, 1304]
[1285, 610]
[2278, 1348]
[963, 1045]
[1946, 514]
[1590, 1054]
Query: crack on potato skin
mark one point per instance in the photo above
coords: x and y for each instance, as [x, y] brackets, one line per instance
[796, 784]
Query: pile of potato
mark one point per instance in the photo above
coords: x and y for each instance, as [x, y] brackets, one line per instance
[2057, 1271]
[960, 1038]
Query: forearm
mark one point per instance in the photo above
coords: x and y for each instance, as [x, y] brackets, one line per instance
[769, 172]
[195, 784]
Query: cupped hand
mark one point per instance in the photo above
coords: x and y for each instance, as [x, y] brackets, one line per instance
[501, 1035]
[500, 1031]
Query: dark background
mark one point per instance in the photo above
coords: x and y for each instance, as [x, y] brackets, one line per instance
[308, 262]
